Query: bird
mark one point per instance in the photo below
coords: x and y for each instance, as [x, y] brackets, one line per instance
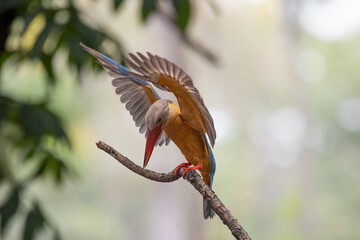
[189, 125]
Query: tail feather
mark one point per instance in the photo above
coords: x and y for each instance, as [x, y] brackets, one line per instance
[208, 211]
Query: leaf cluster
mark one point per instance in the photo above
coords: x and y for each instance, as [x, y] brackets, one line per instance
[181, 9]
[29, 137]
[33, 137]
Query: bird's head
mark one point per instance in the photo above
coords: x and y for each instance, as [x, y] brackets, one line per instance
[155, 119]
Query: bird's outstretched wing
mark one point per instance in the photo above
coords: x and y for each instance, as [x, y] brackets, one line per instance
[138, 95]
[169, 77]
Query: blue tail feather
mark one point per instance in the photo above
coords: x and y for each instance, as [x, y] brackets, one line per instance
[207, 210]
[211, 158]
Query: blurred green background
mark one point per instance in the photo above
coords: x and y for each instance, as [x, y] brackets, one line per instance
[281, 79]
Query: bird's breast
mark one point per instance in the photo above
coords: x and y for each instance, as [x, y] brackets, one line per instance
[189, 141]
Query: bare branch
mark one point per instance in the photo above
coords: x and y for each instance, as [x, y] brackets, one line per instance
[193, 178]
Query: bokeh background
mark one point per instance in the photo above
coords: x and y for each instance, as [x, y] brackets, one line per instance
[281, 79]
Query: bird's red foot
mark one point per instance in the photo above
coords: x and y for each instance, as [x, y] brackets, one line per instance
[180, 166]
[189, 168]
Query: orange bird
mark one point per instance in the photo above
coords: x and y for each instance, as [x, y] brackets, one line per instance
[189, 126]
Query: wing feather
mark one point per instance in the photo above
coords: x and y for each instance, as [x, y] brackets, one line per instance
[135, 91]
[169, 77]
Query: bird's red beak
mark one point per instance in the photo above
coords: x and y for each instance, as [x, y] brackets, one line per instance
[152, 136]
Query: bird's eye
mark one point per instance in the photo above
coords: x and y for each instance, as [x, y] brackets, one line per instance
[158, 120]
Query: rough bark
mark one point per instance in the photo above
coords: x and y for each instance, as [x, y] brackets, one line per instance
[193, 178]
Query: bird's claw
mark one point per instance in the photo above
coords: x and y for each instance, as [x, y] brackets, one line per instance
[180, 166]
[193, 168]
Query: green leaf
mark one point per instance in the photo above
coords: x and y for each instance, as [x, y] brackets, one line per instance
[41, 169]
[4, 56]
[34, 223]
[117, 3]
[36, 121]
[57, 167]
[9, 208]
[182, 8]
[28, 19]
[3, 171]
[4, 105]
[148, 7]
[52, 166]
[46, 61]
[32, 151]
[37, 49]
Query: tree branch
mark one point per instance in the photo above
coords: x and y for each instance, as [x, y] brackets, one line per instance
[193, 178]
